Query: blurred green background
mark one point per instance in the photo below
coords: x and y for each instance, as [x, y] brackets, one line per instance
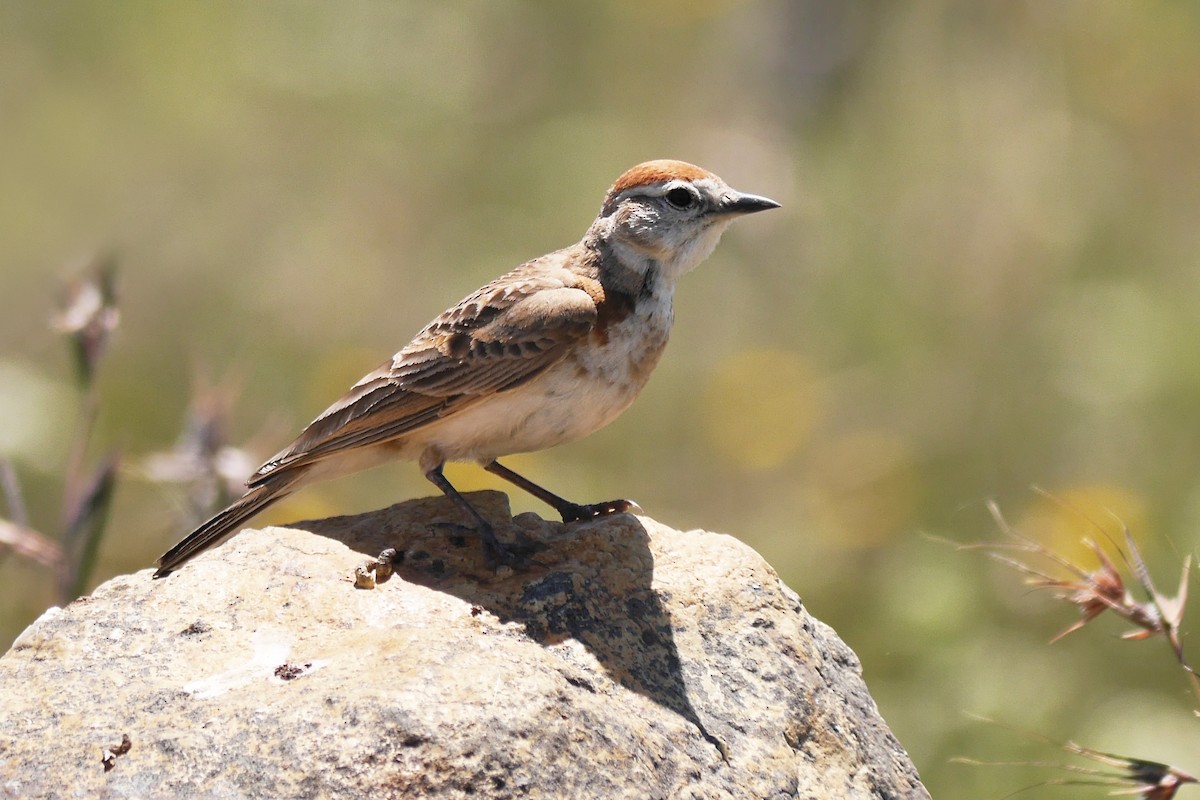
[984, 277]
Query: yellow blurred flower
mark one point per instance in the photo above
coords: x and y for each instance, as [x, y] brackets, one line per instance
[1061, 518]
[760, 407]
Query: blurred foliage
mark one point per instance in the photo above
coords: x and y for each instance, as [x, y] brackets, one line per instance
[87, 317]
[984, 277]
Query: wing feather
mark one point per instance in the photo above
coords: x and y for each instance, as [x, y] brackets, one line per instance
[503, 335]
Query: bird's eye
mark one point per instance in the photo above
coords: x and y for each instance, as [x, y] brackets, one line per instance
[681, 198]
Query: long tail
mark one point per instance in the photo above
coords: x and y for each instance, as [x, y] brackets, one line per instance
[225, 523]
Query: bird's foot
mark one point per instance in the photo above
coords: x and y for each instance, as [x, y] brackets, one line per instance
[573, 512]
[517, 555]
[495, 552]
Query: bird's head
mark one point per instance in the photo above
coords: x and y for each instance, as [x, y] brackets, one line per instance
[671, 212]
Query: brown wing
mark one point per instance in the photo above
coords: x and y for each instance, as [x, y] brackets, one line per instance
[503, 335]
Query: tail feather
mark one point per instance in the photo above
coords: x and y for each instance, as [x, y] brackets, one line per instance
[222, 525]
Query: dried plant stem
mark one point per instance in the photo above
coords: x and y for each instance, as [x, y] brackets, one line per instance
[28, 543]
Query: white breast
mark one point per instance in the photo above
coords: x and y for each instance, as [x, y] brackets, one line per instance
[579, 395]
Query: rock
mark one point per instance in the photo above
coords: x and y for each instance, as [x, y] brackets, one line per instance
[631, 661]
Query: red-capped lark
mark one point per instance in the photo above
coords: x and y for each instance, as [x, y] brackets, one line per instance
[543, 355]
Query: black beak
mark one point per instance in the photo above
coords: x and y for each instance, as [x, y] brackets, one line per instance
[737, 203]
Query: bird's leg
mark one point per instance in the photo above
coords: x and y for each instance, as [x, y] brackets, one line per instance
[495, 552]
[571, 512]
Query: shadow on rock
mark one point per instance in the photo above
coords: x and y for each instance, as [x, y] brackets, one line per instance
[590, 581]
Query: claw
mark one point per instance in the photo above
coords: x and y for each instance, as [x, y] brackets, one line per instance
[574, 512]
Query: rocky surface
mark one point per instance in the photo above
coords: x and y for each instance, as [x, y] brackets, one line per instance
[631, 661]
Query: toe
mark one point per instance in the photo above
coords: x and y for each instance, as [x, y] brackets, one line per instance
[575, 513]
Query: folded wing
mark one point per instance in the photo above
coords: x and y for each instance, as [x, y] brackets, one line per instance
[498, 338]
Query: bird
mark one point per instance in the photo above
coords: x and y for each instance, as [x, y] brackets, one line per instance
[546, 354]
